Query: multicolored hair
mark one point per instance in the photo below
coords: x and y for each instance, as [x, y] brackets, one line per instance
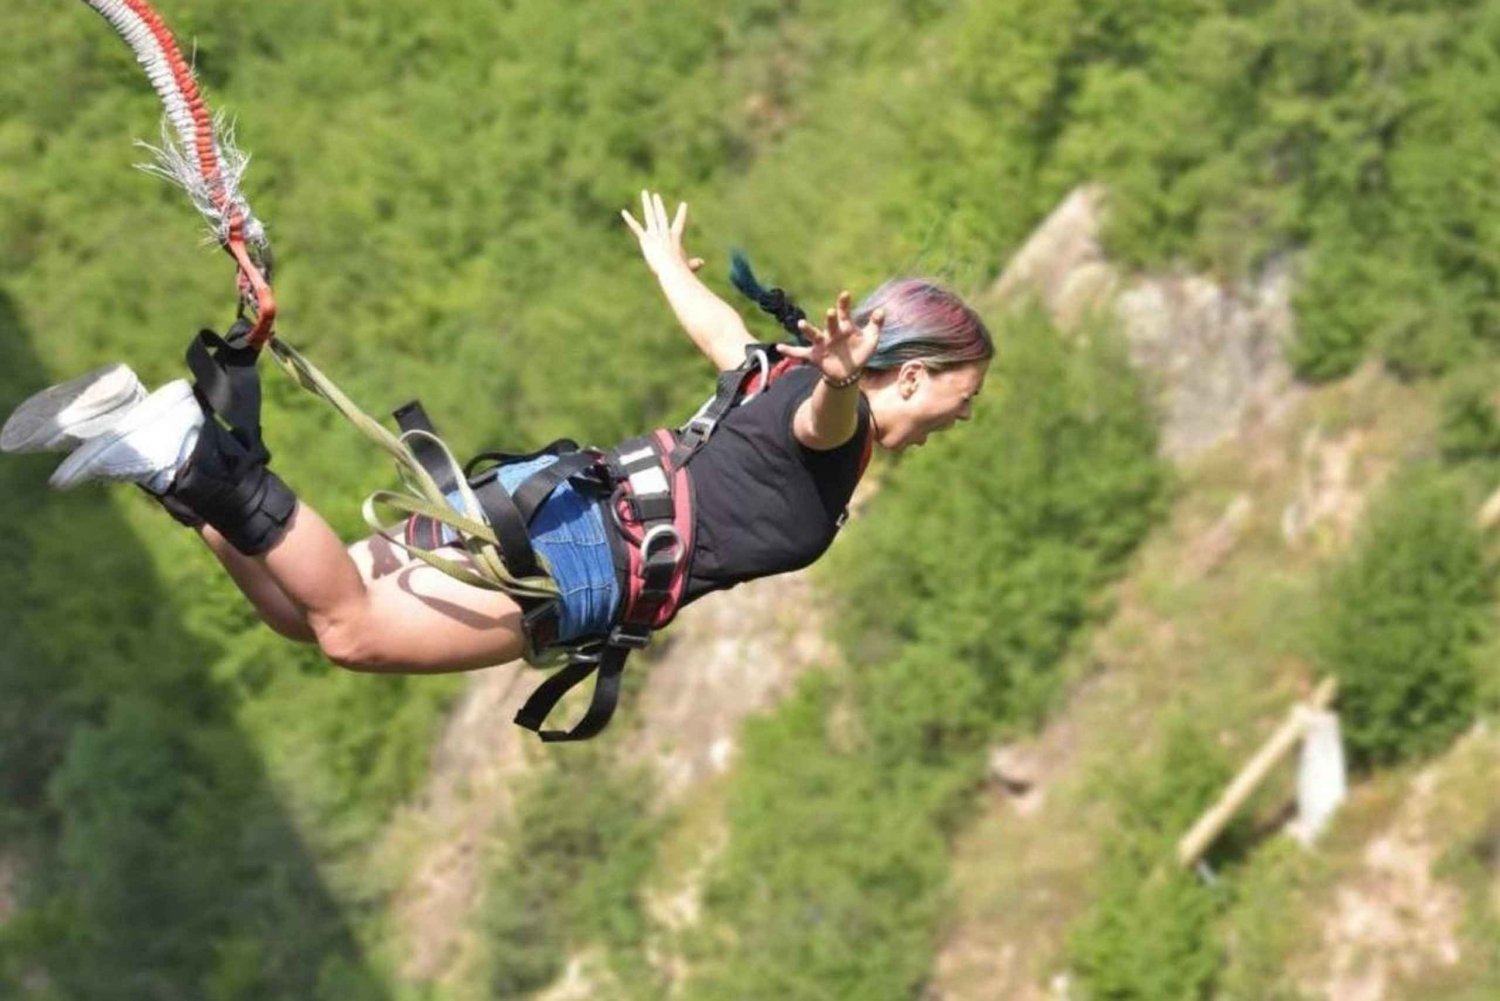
[927, 323]
[923, 320]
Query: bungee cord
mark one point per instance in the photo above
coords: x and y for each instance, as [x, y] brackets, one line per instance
[198, 153]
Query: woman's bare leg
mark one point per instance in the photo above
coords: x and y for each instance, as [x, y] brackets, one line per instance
[371, 607]
[260, 588]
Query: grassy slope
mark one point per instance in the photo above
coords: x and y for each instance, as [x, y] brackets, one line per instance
[1224, 642]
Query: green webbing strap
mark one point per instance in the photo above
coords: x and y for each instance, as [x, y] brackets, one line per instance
[421, 495]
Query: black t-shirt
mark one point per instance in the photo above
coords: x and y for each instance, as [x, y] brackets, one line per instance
[765, 503]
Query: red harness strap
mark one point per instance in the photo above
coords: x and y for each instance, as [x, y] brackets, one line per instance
[658, 550]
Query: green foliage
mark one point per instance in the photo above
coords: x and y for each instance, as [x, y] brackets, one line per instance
[1470, 424]
[1358, 132]
[1472, 863]
[569, 872]
[1149, 934]
[988, 574]
[833, 881]
[1267, 922]
[358, 744]
[1403, 617]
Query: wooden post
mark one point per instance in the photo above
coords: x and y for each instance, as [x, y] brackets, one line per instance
[1197, 841]
[1489, 514]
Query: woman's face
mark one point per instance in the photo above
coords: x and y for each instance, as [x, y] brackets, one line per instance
[922, 402]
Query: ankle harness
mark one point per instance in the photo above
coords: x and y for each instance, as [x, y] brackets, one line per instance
[225, 481]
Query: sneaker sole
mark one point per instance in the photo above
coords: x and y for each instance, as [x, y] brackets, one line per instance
[60, 416]
[75, 468]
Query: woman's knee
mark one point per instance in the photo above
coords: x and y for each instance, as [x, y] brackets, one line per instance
[347, 641]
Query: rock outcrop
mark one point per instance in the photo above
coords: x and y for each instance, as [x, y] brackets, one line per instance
[1212, 353]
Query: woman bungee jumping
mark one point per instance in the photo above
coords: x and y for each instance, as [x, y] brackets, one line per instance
[756, 484]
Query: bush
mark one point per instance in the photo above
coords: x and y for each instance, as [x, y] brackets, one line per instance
[832, 882]
[1150, 934]
[570, 871]
[1470, 425]
[1402, 619]
[989, 574]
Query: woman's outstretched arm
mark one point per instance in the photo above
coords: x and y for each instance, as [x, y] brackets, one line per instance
[715, 327]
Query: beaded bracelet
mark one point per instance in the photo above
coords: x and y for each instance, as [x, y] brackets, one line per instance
[846, 381]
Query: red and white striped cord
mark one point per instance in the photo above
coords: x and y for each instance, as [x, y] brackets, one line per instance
[194, 156]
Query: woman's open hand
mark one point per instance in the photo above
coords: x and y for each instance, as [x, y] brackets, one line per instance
[660, 238]
[841, 349]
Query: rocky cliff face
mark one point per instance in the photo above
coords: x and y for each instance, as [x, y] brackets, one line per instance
[1212, 353]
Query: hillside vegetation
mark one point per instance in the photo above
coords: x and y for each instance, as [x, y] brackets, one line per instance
[191, 803]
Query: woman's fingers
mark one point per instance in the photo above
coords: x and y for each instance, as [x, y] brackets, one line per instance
[795, 351]
[654, 219]
[812, 333]
[635, 227]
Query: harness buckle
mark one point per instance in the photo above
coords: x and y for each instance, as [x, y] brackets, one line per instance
[598, 479]
[697, 430]
[632, 637]
[539, 623]
[585, 655]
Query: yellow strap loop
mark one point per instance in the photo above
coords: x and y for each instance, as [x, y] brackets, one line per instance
[421, 495]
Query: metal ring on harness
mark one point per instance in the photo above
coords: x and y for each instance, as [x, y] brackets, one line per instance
[762, 360]
[620, 492]
[656, 534]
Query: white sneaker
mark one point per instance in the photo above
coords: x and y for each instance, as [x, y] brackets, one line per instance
[60, 417]
[147, 444]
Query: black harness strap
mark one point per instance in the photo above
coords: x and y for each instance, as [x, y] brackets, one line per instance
[505, 517]
[729, 392]
[413, 417]
[610, 668]
[536, 488]
[510, 515]
[560, 446]
[226, 381]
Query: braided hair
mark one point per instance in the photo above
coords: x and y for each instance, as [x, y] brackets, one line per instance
[773, 300]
